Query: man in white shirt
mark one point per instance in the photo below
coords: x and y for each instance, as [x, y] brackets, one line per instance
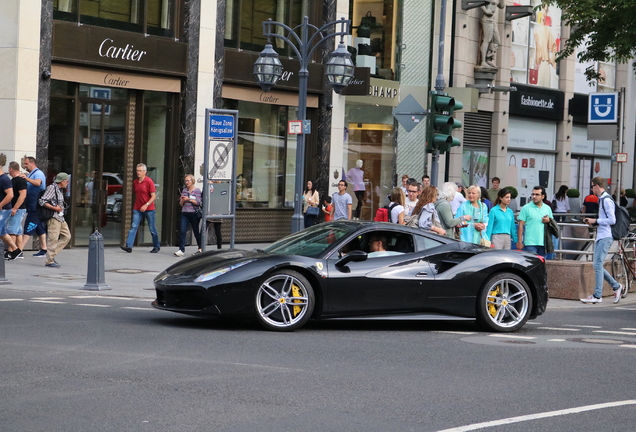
[606, 218]
[412, 191]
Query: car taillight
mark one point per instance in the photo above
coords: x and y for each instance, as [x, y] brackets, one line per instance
[542, 258]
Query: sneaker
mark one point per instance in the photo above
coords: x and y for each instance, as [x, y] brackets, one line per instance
[53, 265]
[15, 255]
[591, 299]
[196, 253]
[6, 254]
[618, 293]
[41, 253]
[155, 250]
[624, 291]
[126, 249]
[179, 253]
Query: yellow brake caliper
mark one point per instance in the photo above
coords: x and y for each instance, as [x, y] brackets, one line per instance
[492, 299]
[296, 293]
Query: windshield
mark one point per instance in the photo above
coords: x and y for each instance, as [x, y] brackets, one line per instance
[312, 242]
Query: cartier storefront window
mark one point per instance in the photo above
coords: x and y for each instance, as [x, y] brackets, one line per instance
[266, 155]
[244, 18]
[156, 17]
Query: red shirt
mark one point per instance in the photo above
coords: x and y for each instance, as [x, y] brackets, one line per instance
[142, 190]
[328, 213]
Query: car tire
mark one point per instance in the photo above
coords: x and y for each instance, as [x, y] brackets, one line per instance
[504, 303]
[284, 301]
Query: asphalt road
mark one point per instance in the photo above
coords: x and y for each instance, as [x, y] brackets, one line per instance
[76, 362]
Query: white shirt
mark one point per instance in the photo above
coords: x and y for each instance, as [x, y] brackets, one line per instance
[408, 207]
[456, 202]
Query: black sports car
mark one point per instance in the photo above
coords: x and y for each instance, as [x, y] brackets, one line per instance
[338, 269]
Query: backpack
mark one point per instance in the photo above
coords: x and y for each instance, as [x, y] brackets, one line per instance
[621, 227]
[44, 214]
[383, 214]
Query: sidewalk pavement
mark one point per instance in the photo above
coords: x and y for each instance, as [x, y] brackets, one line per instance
[132, 274]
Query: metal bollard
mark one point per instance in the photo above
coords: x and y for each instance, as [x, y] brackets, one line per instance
[3, 279]
[95, 280]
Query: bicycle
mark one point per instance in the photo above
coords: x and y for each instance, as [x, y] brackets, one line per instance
[624, 261]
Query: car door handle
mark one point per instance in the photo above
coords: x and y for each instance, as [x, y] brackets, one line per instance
[422, 274]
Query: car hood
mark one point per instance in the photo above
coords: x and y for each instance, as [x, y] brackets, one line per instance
[209, 261]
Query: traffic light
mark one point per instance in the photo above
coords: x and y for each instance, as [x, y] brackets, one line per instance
[440, 122]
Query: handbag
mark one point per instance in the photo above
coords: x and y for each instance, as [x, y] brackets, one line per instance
[313, 211]
[365, 50]
[544, 174]
[199, 212]
[413, 221]
[377, 45]
[484, 242]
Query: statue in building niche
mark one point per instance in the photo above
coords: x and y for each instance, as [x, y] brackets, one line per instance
[490, 39]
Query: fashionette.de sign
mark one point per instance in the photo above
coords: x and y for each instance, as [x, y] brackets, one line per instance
[537, 102]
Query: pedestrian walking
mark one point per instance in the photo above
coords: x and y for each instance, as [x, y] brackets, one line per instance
[501, 229]
[190, 202]
[532, 219]
[36, 183]
[342, 203]
[58, 234]
[18, 204]
[144, 207]
[603, 223]
[6, 196]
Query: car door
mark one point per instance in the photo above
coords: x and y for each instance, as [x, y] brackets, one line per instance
[382, 284]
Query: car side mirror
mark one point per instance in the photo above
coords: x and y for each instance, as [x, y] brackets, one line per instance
[353, 256]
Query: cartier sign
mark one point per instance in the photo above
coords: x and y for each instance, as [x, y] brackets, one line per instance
[106, 47]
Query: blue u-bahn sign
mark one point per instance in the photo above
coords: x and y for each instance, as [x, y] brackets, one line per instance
[602, 108]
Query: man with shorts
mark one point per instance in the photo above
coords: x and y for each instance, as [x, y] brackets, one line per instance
[18, 204]
[6, 195]
[36, 182]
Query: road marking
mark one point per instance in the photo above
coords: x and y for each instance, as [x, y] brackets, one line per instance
[628, 346]
[615, 332]
[583, 326]
[455, 332]
[558, 329]
[628, 329]
[10, 300]
[92, 305]
[137, 308]
[625, 308]
[47, 298]
[537, 416]
[511, 336]
[556, 340]
[46, 301]
[533, 323]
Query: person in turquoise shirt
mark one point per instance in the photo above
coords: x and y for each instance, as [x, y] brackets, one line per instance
[501, 222]
[532, 218]
[478, 213]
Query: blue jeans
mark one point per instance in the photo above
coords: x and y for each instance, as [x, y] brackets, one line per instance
[537, 250]
[192, 219]
[150, 219]
[600, 252]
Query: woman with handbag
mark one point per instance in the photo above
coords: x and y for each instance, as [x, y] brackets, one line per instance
[501, 229]
[190, 202]
[311, 199]
[475, 231]
[445, 195]
[424, 211]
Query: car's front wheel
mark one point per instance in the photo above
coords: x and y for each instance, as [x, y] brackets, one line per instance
[504, 303]
[284, 301]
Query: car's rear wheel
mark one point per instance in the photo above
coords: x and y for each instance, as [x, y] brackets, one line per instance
[504, 303]
[284, 301]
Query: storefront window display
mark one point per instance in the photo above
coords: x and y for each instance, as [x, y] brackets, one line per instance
[475, 167]
[369, 139]
[536, 40]
[531, 156]
[266, 155]
[375, 36]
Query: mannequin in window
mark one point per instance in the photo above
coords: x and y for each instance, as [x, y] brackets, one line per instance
[356, 177]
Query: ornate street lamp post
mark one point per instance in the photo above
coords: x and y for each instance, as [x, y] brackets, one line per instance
[268, 69]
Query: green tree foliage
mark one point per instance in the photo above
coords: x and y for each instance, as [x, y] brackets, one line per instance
[606, 28]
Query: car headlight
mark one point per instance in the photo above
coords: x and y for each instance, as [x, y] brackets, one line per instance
[216, 273]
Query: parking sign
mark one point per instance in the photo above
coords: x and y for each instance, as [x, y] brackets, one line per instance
[602, 108]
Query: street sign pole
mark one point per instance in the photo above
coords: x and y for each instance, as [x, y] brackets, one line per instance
[621, 138]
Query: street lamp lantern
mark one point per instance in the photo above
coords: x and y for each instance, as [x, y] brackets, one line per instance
[268, 68]
[303, 39]
[340, 68]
